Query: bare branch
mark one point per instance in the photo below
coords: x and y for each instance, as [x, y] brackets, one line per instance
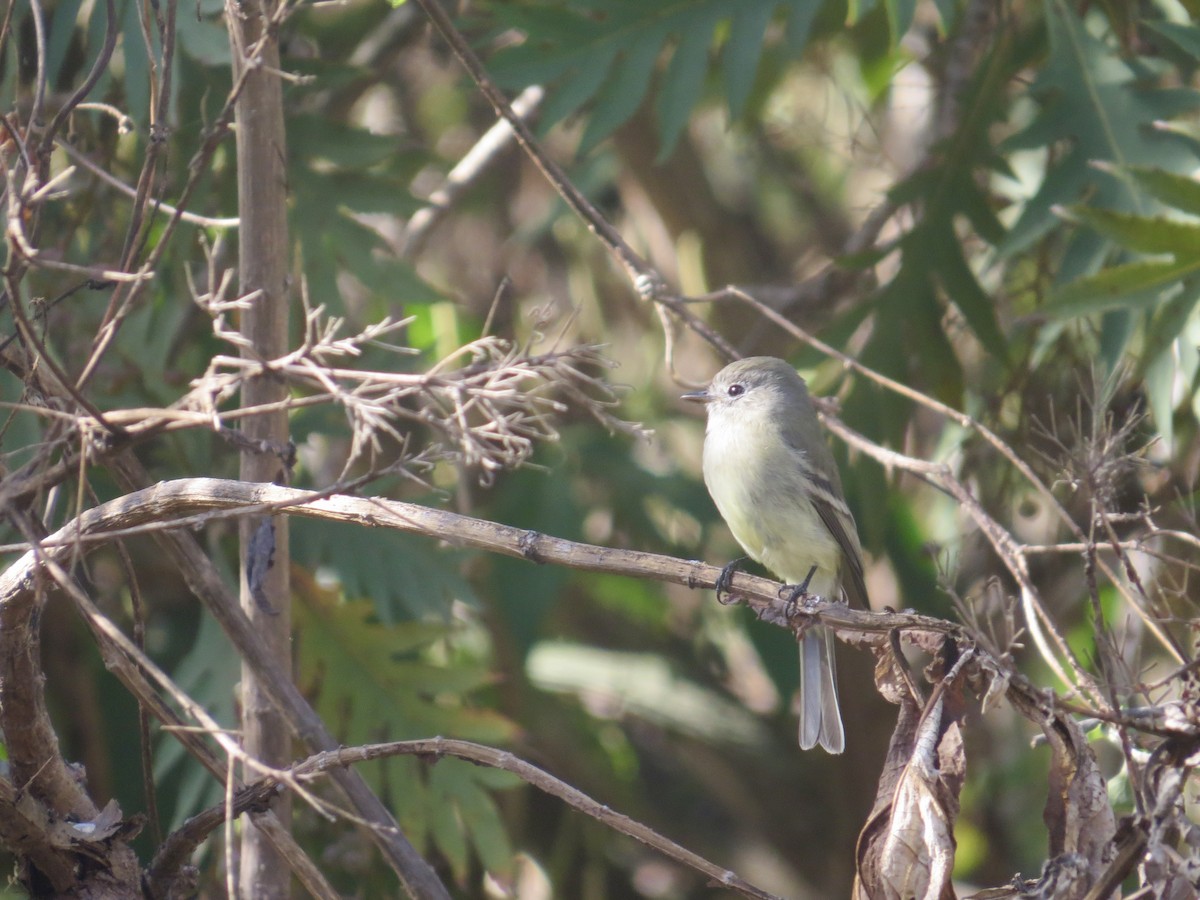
[500, 759]
[169, 507]
[114, 182]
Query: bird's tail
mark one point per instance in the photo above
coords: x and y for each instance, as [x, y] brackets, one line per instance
[820, 719]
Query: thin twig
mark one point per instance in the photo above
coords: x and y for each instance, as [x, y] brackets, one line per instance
[114, 182]
[467, 171]
[645, 278]
[499, 759]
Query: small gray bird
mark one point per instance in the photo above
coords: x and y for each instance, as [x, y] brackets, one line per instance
[774, 481]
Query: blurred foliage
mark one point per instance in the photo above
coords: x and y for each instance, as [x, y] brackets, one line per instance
[605, 54]
[1043, 241]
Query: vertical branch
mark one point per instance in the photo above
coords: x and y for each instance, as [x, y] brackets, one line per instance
[263, 268]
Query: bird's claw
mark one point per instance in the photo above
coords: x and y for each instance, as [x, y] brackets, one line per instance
[726, 577]
[798, 591]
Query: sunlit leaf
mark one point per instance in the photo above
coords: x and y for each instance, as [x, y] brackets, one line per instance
[1143, 234]
[1118, 286]
[1101, 106]
[1173, 189]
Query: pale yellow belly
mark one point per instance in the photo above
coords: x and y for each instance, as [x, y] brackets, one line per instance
[764, 504]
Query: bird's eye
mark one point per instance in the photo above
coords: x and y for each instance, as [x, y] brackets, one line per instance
[736, 390]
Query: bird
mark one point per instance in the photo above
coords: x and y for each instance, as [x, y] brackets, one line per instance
[774, 481]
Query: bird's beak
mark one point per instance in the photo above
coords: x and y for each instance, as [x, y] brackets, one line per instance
[697, 396]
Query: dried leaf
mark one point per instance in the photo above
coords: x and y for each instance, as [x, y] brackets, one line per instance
[1063, 878]
[92, 837]
[1078, 814]
[890, 680]
[988, 681]
[907, 847]
[1171, 862]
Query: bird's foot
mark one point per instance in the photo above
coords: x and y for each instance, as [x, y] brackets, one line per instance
[798, 591]
[726, 576]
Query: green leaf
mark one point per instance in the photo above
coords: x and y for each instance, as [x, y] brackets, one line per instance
[978, 209]
[910, 317]
[447, 829]
[857, 9]
[947, 14]
[406, 577]
[1118, 287]
[1169, 323]
[479, 814]
[461, 806]
[1142, 234]
[799, 24]
[365, 191]
[622, 95]
[1101, 106]
[575, 91]
[644, 685]
[62, 32]
[932, 261]
[963, 290]
[316, 137]
[374, 679]
[900, 16]
[739, 59]
[683, 83]
[137, 63]
[208, 674]
[1159, 381]
[204, 41]
[1168, 362]
[398, 283]
[1185, 37]
[605, 52]
[1173, 189]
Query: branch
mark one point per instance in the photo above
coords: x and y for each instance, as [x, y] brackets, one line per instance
[133, 669]
[31, 743]
[160, 206]
[175, 508]
[25, 832]
[498, 759]
[167, 509]
[206, 583]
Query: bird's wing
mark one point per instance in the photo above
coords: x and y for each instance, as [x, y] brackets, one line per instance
[835, 515]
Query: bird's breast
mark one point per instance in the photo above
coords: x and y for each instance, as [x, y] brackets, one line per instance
[757, 484]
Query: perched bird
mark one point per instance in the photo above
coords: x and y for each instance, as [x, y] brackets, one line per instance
[774, 481]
